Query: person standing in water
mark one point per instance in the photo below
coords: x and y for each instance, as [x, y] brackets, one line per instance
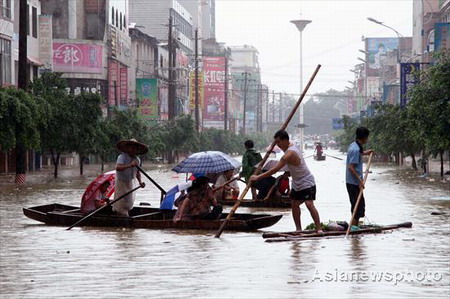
[303, 183]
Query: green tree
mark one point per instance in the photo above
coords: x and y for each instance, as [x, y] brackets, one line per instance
[87, 115]
[51, 94]
[20, 118]
[429, 107]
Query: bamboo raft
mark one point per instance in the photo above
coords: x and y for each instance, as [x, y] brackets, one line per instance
[311, 234]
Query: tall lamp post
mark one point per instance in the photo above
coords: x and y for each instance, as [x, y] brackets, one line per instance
[399, 35]
[301, 24]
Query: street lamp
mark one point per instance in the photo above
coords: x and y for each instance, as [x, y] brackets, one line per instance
[301, 24]
[399, 35]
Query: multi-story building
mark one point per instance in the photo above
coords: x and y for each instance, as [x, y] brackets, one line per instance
[246, 77]
[208, 8]
[431, 28]
[154, 20]
[9, 43]
[6, 37]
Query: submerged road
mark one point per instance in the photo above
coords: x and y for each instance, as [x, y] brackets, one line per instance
[41, 261]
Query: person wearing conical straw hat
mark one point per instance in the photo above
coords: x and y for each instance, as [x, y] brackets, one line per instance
[127, 173]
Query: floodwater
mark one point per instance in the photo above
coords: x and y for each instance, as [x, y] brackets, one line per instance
[43, 261]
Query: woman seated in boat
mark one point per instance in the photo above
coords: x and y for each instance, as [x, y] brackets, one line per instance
[96, 200]
[229, 191]
[198, 202]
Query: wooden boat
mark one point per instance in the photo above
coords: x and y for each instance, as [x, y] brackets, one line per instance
[310, 234]
[320, 158]
[144, 217]
[284, 203]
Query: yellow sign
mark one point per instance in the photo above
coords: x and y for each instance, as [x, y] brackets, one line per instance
[192, 90]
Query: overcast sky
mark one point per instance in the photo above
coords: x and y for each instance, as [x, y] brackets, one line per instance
[332, 39]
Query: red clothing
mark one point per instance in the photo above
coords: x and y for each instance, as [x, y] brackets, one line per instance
[283, 186]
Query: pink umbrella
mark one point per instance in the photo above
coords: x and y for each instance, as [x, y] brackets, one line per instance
[93, 187]
[271, 163]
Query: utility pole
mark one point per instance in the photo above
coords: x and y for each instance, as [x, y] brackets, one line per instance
[197, 108]
[273, 106]
[280, 105]
[259, 109]
[21, 175]
[245, 101]
[225, 117]
[267, 106]
[172, 87]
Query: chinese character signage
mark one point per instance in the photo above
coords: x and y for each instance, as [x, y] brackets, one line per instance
[192, 90]
[214, 85]
[147, 96]
[77, 58]
[45, 41]
[408, 78]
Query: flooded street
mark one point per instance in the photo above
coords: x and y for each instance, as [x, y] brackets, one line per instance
[43, 261]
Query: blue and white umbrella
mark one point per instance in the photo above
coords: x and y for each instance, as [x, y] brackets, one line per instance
[207, 162]
[172, 195]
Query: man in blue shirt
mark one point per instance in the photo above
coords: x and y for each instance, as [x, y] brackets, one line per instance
[354, 171]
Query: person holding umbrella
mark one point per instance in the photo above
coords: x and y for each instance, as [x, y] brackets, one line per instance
[127, 174]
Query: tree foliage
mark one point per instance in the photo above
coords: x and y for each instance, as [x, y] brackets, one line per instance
[20, 118]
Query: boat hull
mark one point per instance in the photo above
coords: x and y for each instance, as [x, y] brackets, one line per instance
[284, 204]
[144, 217]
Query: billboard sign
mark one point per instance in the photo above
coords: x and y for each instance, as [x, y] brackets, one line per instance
[377, 49]
[147, 96]
[441, 36]
[45, 41]
[214, 89]
[192, 90]
[337, 124]
[408, 78]
[77, 58]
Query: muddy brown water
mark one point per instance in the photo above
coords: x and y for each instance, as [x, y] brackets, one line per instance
[42, 261]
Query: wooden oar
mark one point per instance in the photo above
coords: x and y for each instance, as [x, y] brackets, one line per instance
[266, 156]
[102, 207]
[355, 209]
[151, 180]
[334, 157]
[226, 183]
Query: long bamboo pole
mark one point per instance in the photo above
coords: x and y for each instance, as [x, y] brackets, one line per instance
[355, 209]
[258, 170]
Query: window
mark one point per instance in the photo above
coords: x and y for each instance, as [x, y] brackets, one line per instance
[112, 16]
[117, 18]
[28, 19]
[34, 21]
[120, 21]
[5, 61]
[5, 9]
[124, 22]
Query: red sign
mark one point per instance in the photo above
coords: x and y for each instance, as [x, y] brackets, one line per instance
[118, 83]
[214, 88]
[77, 58]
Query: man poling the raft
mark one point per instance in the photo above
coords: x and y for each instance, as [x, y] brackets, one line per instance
[303, 183]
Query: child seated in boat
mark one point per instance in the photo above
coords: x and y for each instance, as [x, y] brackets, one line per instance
[96, 200]
[283, 187]
[198, 202]
[228, 192]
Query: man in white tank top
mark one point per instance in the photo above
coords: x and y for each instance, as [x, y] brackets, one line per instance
[303, 183]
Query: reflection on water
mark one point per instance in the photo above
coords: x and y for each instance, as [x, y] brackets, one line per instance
[44, 261]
